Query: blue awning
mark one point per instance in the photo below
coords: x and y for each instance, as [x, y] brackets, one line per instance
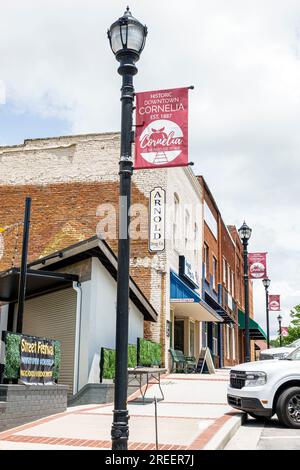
[187, 303]
[180, 290]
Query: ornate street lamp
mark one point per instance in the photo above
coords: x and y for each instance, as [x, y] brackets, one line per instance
[127, 38]
[245, 234]
[266, 282]
[279, 318]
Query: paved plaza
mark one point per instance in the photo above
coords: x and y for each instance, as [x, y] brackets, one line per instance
[193, 412]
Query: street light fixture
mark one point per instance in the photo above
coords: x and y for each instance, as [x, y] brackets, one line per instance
[266, 283]
[245, 234]
[127, 38]
[279, 318]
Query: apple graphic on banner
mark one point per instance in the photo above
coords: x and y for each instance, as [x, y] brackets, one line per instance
[274, 305]
[257, 270]
[161, 142]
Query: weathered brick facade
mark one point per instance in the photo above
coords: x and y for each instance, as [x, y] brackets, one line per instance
[74, 185]
[68, 179]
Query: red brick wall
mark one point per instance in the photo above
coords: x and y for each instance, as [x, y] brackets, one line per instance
[62, 215]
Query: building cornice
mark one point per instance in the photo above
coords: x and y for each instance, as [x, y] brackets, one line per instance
[193, 180]
[58, 142]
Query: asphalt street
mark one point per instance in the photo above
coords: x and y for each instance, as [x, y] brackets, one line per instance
[254, 435]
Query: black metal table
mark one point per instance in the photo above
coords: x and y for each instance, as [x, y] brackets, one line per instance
[152, 378]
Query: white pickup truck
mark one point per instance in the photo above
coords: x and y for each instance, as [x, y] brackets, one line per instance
[279, 353]
[264, 388]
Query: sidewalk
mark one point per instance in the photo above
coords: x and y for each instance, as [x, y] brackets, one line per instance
[194, 415]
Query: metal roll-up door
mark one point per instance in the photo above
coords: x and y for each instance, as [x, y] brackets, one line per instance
[54, 316]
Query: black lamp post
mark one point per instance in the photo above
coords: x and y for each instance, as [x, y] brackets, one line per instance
[245, 234]
[127, 38]
[23, 269]
[266, 283]
[279, 318]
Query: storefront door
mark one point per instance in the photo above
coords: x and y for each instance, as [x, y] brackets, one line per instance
[179, 335]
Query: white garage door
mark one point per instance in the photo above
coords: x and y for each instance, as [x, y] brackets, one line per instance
[54, 316]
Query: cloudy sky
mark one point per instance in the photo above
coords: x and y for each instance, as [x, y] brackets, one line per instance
[243, 57]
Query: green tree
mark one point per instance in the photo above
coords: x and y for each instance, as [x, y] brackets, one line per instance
[293, 329]
[294, 333]
[295, 315]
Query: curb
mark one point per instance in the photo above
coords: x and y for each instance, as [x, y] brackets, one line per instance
[228, 430]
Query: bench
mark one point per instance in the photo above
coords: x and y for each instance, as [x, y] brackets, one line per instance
[182, 363]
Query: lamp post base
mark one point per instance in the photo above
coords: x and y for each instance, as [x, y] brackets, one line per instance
[120, 430]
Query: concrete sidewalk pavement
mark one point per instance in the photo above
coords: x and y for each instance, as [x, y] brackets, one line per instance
[193, 415]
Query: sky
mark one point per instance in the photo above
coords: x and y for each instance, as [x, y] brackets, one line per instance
[58, 76]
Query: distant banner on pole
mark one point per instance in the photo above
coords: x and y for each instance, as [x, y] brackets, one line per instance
[274, 303]
[161, 129]
[284, 331]
[257, 265]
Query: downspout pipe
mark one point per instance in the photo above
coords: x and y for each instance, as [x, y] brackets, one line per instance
[78, 289]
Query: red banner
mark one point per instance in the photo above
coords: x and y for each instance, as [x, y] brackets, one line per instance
[161, 128]
[284, 331]
[274, 303]
[257, 265]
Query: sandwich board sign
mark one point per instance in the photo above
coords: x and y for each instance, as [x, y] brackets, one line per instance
[205, 363]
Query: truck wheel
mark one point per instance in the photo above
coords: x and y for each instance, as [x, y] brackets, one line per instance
[288, 407]
[262, 419]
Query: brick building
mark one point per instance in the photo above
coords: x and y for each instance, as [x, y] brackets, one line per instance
[74, 185]
[218, 283]
[229, 294]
